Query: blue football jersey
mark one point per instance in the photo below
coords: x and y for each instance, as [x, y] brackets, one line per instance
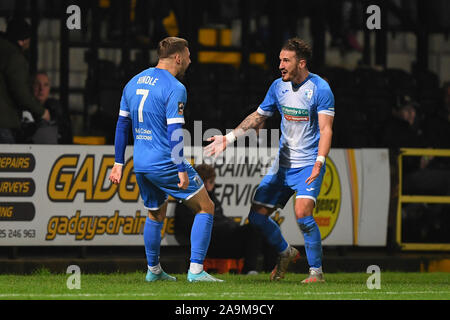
[153, 99]
[299, 107]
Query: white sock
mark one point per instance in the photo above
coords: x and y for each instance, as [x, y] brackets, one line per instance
[155, 269]
[316, 270]
[195, 268]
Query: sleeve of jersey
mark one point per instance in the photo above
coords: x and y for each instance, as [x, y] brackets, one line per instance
[122, 129]
[175, 106]
[325, 102]
[269, 105]
[175, 120]
[176, 143]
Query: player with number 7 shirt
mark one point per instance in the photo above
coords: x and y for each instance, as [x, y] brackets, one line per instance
[152, 105]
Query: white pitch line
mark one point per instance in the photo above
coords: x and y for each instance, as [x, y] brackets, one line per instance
[68, 295]
[342, 293]
[63, 295]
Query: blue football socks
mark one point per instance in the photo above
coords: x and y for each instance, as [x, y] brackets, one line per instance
[313, 241]
[270, 229]
[152, 241]
[201, 236]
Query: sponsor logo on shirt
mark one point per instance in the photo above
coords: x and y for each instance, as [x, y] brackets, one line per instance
[180, 108]
[295, 114]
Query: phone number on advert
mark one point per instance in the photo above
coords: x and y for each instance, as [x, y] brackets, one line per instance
[17, 233]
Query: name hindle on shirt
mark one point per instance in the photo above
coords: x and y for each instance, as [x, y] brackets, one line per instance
[151, 81]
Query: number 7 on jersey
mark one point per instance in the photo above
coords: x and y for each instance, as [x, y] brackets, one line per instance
[144, 94]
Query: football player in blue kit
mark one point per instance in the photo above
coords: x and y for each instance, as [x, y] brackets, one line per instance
[306, 105]
[152, 105]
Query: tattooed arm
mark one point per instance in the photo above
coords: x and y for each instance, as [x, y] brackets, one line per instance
[219, 143]
[253, 121]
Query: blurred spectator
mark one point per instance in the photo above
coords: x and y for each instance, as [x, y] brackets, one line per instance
[15, 93]
[425, 222]
[58, 130]
[403, 131]
[421, 175]
[229, 239]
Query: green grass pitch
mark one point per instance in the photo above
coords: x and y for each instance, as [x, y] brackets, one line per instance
[131, 286]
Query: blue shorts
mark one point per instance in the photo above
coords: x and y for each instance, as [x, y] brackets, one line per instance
[155, 187]
[276, 188]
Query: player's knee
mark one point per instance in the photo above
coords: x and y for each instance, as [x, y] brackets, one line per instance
[258, 214]
[255, 217]
[261, 209]
[302, 214]
[303, 207]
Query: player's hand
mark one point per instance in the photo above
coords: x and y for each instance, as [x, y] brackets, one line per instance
[116, 174]
[217, 146]
[315, 172]
[184, 180]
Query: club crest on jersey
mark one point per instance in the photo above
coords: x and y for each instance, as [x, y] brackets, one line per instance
[180, 108]
[308, 93]
[295, 114]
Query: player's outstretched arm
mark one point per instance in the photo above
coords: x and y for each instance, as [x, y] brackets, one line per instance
[219, 143]
[326, 134]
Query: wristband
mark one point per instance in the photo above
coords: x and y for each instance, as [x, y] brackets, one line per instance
[230, 137]
[116, 163]
[321, 159]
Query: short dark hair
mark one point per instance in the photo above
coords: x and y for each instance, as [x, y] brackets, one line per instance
[301, 48]
[18, 29]
[205, 171]
[171, 45]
